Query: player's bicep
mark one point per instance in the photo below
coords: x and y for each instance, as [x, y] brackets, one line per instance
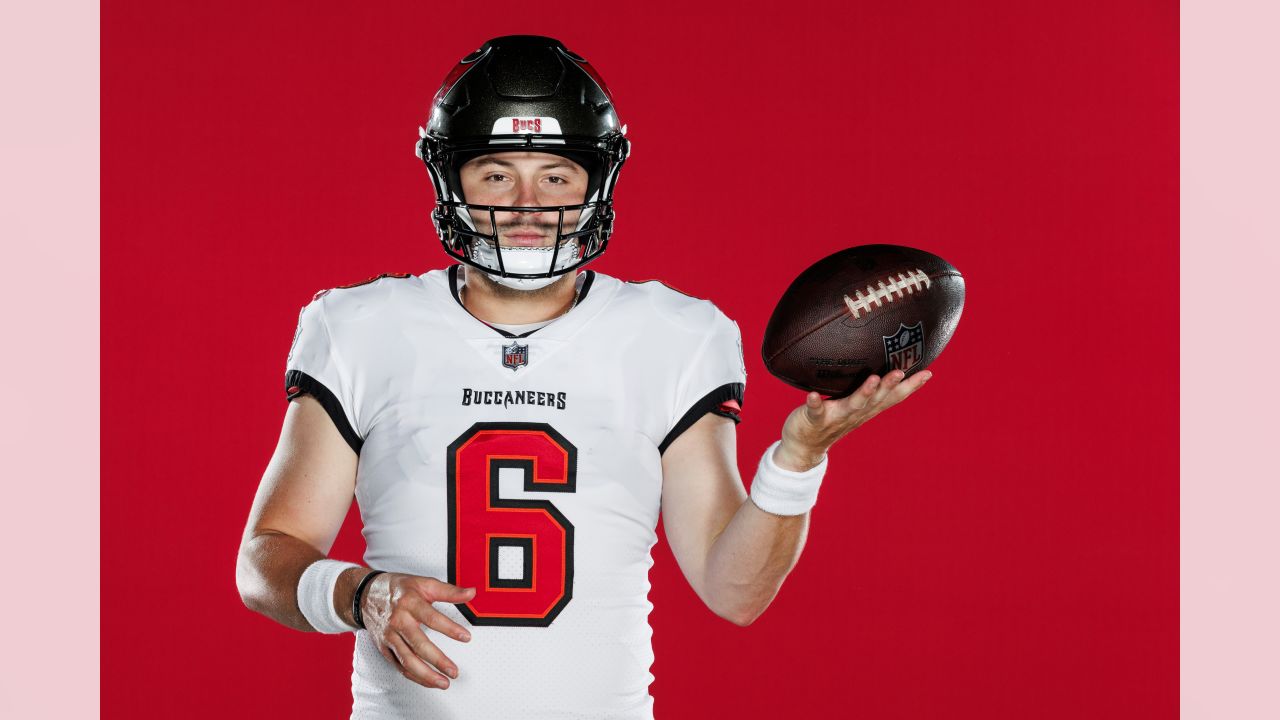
[701, 492]
[309, 484]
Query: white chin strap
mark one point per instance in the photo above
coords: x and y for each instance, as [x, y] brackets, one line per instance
[524, 260]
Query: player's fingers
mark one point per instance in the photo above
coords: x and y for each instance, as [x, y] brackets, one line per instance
[414, 666]
[390, 655]
[402, 658]
[917, 380]
[901, 390]
[890, 382]
[908, 386]
[440, 591]
[427, 651]
[862, 396]
[441, 623]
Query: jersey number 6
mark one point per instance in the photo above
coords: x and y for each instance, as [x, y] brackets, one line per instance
[482, 524]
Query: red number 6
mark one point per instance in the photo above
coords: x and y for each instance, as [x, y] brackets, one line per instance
[481, 522]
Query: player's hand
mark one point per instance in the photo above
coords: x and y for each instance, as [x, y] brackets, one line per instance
[395, 607]
[815, 426]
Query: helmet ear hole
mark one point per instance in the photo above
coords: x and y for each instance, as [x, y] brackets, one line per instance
[523, 93]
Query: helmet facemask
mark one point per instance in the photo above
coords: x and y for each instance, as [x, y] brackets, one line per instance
[471, 232]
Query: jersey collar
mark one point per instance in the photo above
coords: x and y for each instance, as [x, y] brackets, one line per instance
[456, 280]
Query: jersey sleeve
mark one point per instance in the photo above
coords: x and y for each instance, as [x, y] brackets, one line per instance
[313, 368]
[713, 381]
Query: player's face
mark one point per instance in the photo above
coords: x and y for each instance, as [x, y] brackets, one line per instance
[528, 179]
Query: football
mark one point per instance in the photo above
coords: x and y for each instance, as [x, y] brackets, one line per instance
[865, 310]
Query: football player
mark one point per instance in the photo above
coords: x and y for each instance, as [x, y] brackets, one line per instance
[513, 425]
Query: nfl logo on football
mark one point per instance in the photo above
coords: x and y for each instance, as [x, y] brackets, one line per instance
[905, 348]
[515, 355]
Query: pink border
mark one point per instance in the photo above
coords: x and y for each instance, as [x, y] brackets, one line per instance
[49, 235]
[1230, 432]
[1229, 154]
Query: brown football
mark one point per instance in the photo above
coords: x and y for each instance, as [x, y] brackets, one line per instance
[868, 309]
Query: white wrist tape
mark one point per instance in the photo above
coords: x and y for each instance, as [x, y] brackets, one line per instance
[315, 595]
[786, 492]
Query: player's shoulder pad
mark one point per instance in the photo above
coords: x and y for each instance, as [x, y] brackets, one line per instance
[678, 310]
[370, 281]
[359, 298]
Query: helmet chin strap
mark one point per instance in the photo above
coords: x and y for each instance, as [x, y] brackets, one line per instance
[525, 261]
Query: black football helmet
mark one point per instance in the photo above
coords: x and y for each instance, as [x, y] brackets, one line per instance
[523, 93]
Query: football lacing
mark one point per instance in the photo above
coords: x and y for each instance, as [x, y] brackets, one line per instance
[904, 284]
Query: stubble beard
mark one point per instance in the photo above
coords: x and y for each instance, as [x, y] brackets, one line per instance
[509, 293]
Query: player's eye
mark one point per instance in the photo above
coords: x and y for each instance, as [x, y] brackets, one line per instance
[495, 177]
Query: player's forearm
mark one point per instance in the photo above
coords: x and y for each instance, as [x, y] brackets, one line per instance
[267, 573]
[750, 559]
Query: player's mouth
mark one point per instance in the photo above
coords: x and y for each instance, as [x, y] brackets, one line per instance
[525, 240]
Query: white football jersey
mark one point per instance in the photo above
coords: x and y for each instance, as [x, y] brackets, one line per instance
[526, 466]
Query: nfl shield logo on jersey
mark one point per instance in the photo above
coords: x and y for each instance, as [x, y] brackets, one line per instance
[515, 355]
[904, 349]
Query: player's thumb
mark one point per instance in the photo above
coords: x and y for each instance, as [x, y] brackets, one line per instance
[813, 406]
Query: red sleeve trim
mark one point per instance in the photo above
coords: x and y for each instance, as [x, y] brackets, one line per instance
[729, 407]
[712, 402]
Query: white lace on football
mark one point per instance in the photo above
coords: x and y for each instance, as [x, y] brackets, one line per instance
[903, 284]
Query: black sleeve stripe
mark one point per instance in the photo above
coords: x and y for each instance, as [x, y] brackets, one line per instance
[298, 383]
[710, 403]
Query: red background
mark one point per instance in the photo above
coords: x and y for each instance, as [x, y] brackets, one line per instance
[1003, 545]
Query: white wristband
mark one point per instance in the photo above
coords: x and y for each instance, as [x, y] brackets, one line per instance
[786, 492]
[315, 595]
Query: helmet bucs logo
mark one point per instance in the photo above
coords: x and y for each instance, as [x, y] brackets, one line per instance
[526, 125]
[904, 349]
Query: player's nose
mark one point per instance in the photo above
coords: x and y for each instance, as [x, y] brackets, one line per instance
[526, 193]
